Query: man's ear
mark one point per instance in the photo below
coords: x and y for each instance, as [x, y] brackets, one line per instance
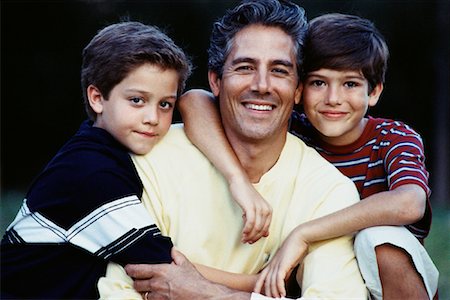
[95, 99]
[375, 94]
[214, 82]
[298, 93]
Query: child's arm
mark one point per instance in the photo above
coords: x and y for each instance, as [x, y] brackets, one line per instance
[242, 282]
[204, 128]
[401, 206]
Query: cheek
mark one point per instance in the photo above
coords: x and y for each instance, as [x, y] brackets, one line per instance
[359, 104]
[307, 101]
[165, 121]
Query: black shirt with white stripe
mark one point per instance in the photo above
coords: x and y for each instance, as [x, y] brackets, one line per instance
[81, 212]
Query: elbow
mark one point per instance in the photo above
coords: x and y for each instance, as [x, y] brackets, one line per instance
[414, 213]
[414, 203]
[194, 97]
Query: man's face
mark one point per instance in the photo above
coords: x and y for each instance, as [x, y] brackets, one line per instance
[259, 84]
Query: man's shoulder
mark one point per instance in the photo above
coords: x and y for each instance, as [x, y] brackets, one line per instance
[294, 143]
[317, 178]
[177, 134]
[174, 141]
[309, 159]
[173, 148]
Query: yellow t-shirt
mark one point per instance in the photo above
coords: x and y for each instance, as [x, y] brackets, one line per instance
[189, 200]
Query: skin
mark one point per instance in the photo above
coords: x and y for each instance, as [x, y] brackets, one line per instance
[178, 280]
[401, 206]
[257, 213]
[257, 91]
[258, 84]
[335, 103]
[139, 110]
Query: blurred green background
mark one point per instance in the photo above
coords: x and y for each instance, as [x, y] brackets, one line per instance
[41, 107]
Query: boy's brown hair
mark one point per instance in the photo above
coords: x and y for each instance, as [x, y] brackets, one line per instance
[120, 48]
[346, 42]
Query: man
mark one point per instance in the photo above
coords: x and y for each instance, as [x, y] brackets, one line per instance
[254, 61]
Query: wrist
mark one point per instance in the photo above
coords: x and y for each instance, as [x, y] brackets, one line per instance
[237, 177]
[220, 292]
[301, 234]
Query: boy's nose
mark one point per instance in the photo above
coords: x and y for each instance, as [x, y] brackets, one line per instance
[151, 116]
[333, 96]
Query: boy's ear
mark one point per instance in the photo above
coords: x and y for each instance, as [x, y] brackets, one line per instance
[214, 82]
[375, 94]
[298, 93]
[95, 99]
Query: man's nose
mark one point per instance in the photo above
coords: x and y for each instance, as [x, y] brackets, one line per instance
[261, 82]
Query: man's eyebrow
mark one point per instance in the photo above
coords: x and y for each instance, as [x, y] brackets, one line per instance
[283, 62]
[239, 60]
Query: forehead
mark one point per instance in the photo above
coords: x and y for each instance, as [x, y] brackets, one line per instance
[263, 43]
[333, 73]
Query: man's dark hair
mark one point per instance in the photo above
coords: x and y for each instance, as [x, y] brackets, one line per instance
[272, 13]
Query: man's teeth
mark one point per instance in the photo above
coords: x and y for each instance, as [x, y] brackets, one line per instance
[258, 107]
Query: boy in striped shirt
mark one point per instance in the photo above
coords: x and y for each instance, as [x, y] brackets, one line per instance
[344, 68]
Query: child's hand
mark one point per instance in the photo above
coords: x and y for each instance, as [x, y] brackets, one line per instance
[257, 212]
[273, 277]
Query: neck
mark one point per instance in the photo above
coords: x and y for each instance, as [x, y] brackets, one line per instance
[258, 157]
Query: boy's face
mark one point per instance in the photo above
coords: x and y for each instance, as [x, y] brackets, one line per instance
[336, 102]
[139, 110]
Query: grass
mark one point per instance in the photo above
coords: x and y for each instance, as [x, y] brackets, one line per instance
[437, 243]
[438, 247]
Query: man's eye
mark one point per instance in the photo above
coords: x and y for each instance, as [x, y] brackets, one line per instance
[280, 71]
[244, 68]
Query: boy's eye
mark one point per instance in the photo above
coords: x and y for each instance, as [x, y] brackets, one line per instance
[166, 105]
[136, 100]
[351, 84]
[317, 83]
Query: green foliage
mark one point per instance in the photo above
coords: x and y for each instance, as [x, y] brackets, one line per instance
[438, 246]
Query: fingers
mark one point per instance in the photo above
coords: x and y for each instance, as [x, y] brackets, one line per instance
[281, 286]
[144, 285]
[256, 223]
[267, 222]
[275, 284]
[142, 271]
[249, 223]
[178, 257]
[259, 285]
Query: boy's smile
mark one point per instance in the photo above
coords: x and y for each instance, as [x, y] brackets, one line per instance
[336, 103]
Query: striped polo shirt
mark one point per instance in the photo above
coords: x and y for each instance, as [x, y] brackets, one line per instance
[387, 155]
